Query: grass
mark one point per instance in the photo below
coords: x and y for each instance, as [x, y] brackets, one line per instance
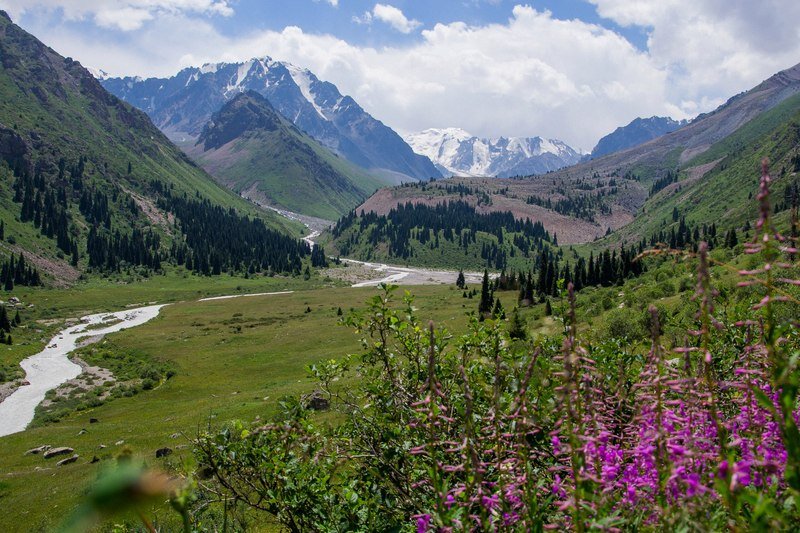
[233, 359]
[95, 295]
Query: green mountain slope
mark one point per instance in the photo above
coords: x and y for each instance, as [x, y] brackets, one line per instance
[85, 176]
[719, 186]
[249, 147]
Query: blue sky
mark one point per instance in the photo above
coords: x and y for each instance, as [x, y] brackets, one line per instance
[309, 15]
[569, 69]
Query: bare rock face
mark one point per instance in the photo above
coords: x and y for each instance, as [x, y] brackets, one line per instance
[55, 452]
[68, 460]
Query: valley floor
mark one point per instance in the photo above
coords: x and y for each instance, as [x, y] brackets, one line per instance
[233, 359]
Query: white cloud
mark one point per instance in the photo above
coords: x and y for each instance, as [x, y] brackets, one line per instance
[124, 18]
[126, 15]
[334, 3]
[366, 18]
[533, 75]
[389, 15]
[712, 49]
[394, 18]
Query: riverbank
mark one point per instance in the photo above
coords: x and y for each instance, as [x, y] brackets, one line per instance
[52, 367]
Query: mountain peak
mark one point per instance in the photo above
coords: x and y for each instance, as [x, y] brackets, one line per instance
[247, 112]
[789, 76]
[4, 15]
[98, 73]
[457, 152]
[183, 104]
[638, 131]
[248, 146]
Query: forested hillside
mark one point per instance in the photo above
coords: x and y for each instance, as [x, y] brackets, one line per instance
[87, 183]
[699, 175]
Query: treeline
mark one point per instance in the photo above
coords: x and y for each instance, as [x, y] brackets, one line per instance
[18, 272]
[107, 250]
[584, 206]
[663, 182]
[611, 267]
[688, 236]
[213, 240]
[46, 206]
[46, 192]
[457, 222]
[220, 240]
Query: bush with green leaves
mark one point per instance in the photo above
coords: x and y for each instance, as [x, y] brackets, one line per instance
[440, 433]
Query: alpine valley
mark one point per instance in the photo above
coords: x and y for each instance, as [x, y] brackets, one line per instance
[200, 320]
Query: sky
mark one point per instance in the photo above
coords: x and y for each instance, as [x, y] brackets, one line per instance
[566, 69]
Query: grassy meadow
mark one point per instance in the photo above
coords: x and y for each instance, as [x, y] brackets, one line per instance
[233, 360]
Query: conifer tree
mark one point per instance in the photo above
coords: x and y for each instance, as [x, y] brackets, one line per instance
[460, 281]
[485, 305]
[5, 324]
[498, 311]
[518, 328]
[731, 239]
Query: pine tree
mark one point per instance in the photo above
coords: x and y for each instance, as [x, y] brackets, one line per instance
[518, 329]
[485, 305]
[5, 324]
[731, 239]
[460, 281]
[498, 312]
[548, 308]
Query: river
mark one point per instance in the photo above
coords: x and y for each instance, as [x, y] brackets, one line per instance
[51, 367]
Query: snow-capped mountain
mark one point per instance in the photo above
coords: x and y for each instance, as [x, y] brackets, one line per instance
[98, 73]
[456, 152]
[181, 105]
